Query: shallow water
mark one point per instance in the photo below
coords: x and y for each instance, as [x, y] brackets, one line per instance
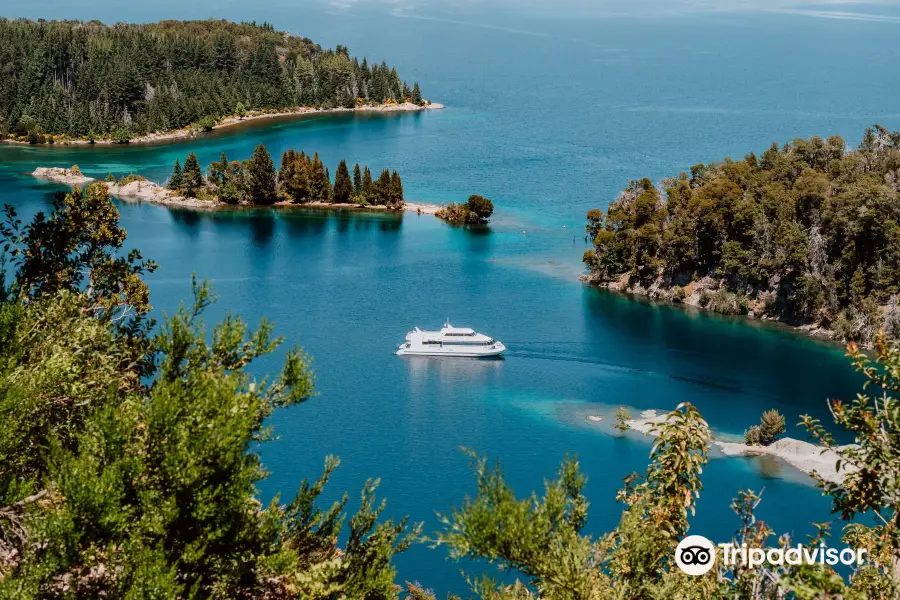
[548, 118]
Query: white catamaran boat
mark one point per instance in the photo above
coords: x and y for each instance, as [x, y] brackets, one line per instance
[450, 341]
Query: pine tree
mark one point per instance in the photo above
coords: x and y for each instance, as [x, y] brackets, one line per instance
[343, 187]
[261, 177]
[192, 177]
[771, 425]
[320, 184]
[396, 200]
[328, 188]
[357, 180]
[383, 188]
[367, 185]
[176, 180]
[286, 173]
[416, 94]
[218, 171]
[294, 177]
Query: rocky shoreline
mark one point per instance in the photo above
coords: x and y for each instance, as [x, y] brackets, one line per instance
[189, 132]
[801, 455]
[693, 295]
[147, 191]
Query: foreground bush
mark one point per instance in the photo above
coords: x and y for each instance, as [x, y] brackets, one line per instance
[129, 460]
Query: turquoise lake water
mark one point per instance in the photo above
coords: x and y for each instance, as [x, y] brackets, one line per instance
[549, 117]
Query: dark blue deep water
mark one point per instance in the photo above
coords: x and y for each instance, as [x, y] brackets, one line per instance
[549, 116]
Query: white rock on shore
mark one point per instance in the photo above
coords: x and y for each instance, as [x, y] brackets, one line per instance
[425, 209]
[648, 420]
[401, 107]
[801, 455]
[60, 175]
[147, 191]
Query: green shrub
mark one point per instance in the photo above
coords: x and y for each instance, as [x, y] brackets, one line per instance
[752, 436]
[859, 324]
[704, 299]
[205, 124]
[726, 303]
[121, 135]
[622, 418]
[678, 294]
[480, 207]
[771, 425]
[130, 178]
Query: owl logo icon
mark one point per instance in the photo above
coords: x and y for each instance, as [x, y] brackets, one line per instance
[695, 555]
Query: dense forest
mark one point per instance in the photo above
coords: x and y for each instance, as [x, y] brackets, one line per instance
[130, 465]
[125, 80]
[301, 179]
[807, 233]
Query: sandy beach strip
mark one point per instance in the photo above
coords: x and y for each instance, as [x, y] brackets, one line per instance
[231, 121]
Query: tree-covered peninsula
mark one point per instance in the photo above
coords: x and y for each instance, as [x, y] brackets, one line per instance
[130, 465]
[73, 79]
[807, 233]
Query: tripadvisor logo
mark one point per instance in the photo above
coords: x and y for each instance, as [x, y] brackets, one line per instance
[696, 555]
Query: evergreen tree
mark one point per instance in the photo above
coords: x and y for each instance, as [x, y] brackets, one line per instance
[176, 179]
[357, 180]
[293, 177]
[218, 171]
[261, 177]
[367, 185]
[343, 186]
[396, 191]
[192, 176]
[383, 190]
[320, 183]
[417, 94]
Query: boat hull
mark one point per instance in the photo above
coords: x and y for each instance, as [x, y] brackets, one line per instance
[452, 352]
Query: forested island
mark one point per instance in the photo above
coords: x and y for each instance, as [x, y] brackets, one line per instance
[301, 180]
[807, 233]
[130, 465]
[65, 81]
